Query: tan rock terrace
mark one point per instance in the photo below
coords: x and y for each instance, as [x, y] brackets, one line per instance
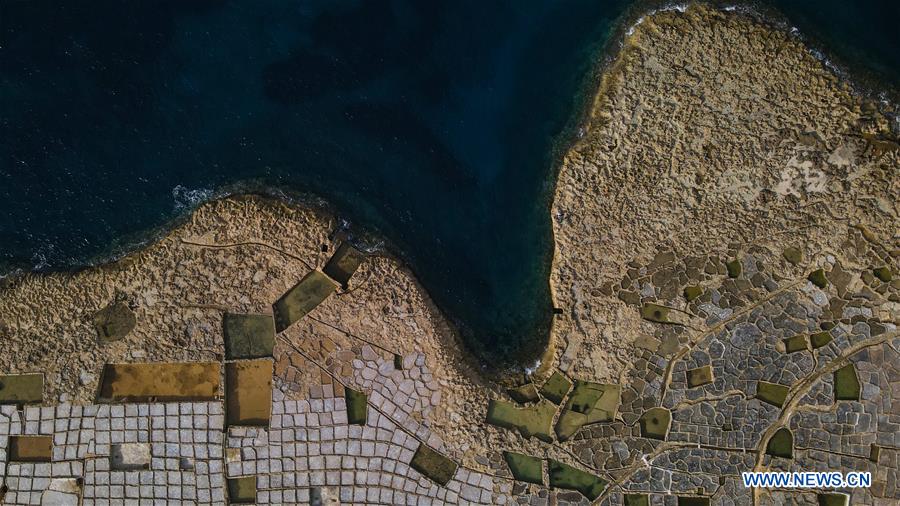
[726, 278]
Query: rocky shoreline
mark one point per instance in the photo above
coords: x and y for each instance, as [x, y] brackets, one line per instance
[725, 177]
[728, 191]
[687, 147]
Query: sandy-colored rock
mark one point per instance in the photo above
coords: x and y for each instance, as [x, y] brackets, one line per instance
[710, 129]
[180, 287]
[711, 133]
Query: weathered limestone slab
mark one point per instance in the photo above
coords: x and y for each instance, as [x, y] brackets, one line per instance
[62, 492]
[114, 322]
[57, 498]
[129, 456]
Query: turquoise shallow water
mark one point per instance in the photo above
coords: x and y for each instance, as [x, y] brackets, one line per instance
[434, 124]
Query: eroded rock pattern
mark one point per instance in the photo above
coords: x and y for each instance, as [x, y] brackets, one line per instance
[730, 196]
[726, 255]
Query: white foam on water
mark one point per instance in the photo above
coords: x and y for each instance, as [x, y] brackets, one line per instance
[631, 28]
[40, 259]
[186, 198]
[678, 7]
[778, 21]
[11, 274]
[531, 370]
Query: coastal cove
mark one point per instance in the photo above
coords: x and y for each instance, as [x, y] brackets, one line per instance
[425, 127]
[720, 266]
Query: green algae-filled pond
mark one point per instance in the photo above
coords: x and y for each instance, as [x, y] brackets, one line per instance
[535, 420]
[357, 406]
[525, 467]
[846, 384]
[433, 465]
[567, 477]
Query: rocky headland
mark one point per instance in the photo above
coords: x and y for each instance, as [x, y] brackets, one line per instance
[728, 221]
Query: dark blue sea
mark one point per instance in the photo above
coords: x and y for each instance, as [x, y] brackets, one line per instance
[435, 125]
